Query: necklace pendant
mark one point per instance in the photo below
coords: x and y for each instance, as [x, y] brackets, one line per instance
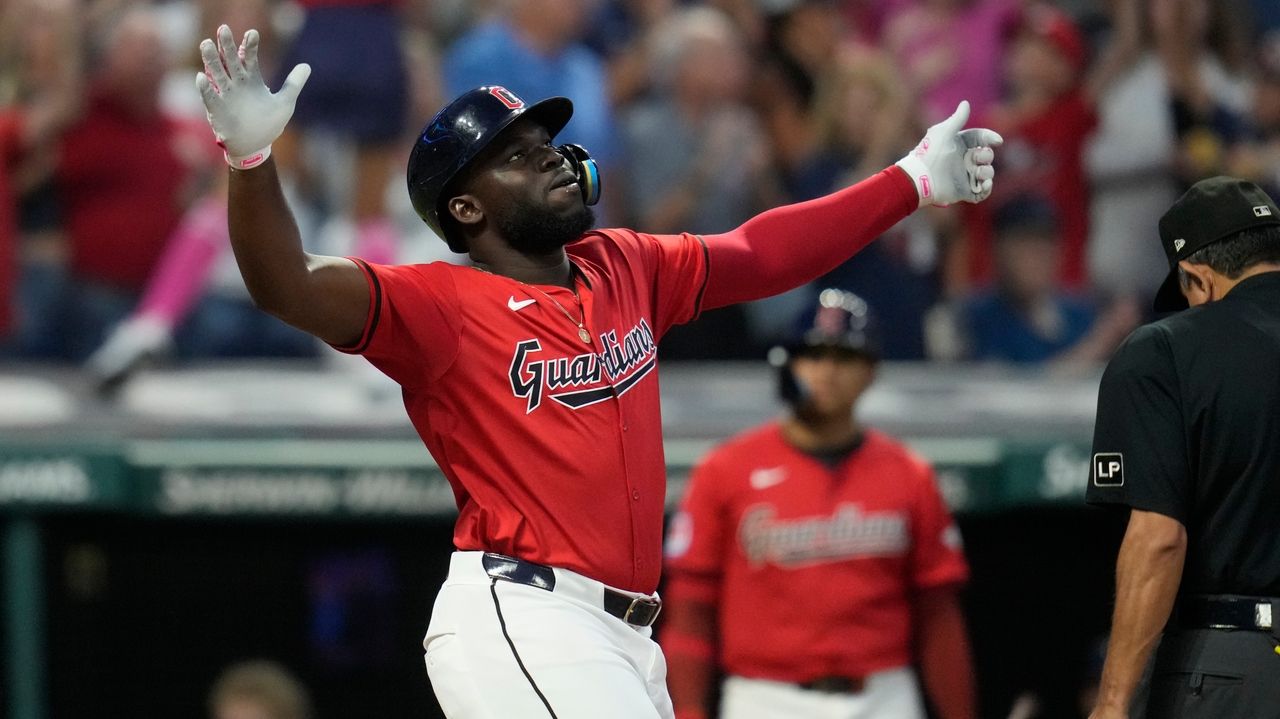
[584, 335]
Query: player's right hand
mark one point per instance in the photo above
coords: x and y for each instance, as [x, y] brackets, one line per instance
[952, 164]
[245, 115]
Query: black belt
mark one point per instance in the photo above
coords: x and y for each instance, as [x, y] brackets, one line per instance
[1226, 611]
[637, 611]
[835, 685]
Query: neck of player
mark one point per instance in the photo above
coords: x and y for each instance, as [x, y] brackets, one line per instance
[552, 268]
[809, 430]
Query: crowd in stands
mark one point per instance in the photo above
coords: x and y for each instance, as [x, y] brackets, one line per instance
[113, 235]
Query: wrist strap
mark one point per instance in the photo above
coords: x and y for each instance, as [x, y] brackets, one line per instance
[250, 161]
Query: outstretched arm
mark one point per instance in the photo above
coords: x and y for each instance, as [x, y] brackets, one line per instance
[788, 246]
[325, 296]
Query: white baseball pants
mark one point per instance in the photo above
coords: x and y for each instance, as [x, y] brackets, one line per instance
[892, 694]
[498, 650]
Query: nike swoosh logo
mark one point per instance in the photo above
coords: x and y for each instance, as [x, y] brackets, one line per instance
[765, 478]
[517, 306]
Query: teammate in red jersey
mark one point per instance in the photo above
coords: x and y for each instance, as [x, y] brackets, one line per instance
[813, 560]
[531, 375]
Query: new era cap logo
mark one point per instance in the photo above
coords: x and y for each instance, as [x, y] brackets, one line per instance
[1108, 469]
[1178, 244]
[1262, 211]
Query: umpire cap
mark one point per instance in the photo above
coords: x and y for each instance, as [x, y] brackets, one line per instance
[459, 132]
[1212, 210]
[841, 320]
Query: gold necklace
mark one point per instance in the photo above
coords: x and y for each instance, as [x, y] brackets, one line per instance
[583, 334]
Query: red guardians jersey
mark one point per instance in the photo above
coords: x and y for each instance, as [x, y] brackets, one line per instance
[553, 446]
[811, 568]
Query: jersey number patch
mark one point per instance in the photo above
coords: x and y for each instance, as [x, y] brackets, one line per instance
[1108, 469]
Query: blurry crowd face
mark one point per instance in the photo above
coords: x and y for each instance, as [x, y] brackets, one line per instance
[1028, 264]
[713, 69]
[558, 22]
[812, 34]
[135, 63]
[861, 100]
[1035, 66]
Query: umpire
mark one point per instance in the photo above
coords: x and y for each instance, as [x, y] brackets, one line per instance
[1188, 438]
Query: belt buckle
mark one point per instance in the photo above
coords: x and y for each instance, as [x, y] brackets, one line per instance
[642, 602]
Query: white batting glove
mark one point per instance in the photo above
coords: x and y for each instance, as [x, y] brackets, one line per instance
[245, 115]
[952, 164]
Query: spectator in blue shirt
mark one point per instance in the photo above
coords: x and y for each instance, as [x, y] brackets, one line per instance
[1026, 317]
[534, 48]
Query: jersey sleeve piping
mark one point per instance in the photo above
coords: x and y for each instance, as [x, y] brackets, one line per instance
[375, 310]
[706, 275]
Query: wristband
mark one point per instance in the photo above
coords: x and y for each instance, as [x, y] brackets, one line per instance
[248, 162]
[919, 174]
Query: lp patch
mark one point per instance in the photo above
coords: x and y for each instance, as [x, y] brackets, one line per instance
[1108, 469]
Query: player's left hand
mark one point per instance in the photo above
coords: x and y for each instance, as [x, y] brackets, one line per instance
[952, 164]
[245, 115]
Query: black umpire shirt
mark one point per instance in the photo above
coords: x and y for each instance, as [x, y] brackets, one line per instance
[1188, 426]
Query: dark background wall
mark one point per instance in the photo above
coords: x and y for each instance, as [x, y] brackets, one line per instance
[143, 613]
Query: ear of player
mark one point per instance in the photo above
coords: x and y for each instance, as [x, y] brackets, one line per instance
[245, 115]
[952, 164]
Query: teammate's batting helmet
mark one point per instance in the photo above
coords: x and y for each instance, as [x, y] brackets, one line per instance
[841, 321]
[459, 132]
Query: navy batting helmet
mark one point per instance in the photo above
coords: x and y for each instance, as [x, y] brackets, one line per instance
[460, 131]
[842, 321]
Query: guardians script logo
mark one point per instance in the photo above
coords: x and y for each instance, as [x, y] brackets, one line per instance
[586, 378]
[847, 533]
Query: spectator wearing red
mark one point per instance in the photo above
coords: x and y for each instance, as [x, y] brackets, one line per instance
[1046, 120]
[10, 132]
[126, 174]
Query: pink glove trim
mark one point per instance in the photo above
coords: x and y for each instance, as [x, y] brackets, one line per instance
[248, 162]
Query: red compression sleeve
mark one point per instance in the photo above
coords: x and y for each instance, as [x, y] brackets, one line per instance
[788, 246]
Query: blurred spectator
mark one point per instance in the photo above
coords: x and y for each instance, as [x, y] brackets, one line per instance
[1025, 317]
[952, 50]
[697, 160]
[617, 34]
[802, 39]
[1157, 53]
[863, 122]
[125, 175]
[358, 93]
[1201, 45]
[258, 689]
[40, 94]
[534, 48]
[194, 303]
[1045, 119]
[1256, 156]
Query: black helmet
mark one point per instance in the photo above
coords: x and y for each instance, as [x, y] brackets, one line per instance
[840, 320]
[461, 130]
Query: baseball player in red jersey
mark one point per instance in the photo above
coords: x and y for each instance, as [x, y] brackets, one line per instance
[531, 375]
[813, 560]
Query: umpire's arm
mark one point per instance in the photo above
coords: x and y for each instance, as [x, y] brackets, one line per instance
[1148, 572]
[325, 296]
